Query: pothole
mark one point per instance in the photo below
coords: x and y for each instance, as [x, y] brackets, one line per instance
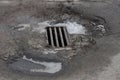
[54, 40]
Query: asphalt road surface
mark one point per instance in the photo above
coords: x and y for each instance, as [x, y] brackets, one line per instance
[102, 62]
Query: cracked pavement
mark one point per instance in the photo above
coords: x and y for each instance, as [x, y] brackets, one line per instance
[102, 62]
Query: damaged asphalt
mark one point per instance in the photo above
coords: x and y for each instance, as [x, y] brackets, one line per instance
[101, 62]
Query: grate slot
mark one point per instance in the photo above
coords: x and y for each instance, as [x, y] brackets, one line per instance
[54, 37]
[61, 37]
[48, 35]
[57, 36]
[51, 37]
[64, 36]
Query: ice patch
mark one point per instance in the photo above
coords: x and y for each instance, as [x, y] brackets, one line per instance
[51, 67]
[41, 27]
[23, 26]
[72, 27]
[49, 51]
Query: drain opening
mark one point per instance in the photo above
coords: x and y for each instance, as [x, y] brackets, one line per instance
[57, 36]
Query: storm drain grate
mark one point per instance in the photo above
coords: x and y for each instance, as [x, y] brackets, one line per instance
[57, 36]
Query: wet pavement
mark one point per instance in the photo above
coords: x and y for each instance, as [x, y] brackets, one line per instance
[101, 62]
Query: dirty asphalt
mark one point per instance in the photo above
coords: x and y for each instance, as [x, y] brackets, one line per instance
[101, 62]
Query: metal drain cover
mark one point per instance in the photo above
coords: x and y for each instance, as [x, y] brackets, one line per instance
[57, 36]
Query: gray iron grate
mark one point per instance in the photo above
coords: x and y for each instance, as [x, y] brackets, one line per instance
[57, 36]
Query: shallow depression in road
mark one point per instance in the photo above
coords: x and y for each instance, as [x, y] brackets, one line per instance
[30, 66]
[50, 67]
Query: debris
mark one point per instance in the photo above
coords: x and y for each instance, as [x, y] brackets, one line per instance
[101, 27]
